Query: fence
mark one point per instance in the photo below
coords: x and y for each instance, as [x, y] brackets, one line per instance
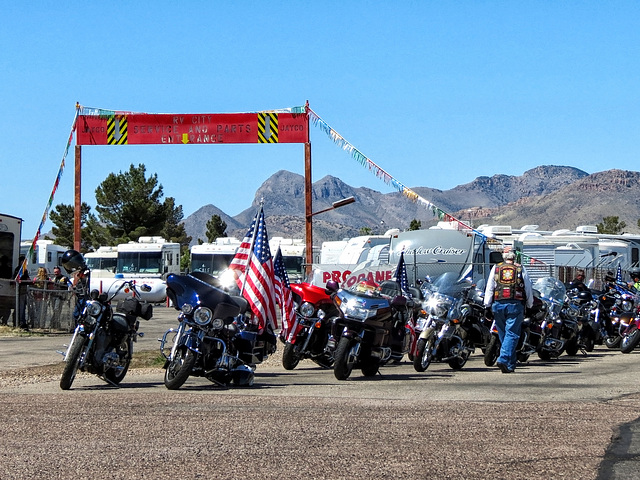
[50, 309]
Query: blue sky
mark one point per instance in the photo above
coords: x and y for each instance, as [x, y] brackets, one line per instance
[436, 93]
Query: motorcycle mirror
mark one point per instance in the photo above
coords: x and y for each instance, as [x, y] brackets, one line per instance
[94, 294]
[145, 288]
[332, 287]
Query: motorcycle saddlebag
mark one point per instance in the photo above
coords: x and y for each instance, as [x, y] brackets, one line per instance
[132, 306]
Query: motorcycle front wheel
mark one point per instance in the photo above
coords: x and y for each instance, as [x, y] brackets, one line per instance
[492, 352]
[572, 347]
[290, 358]
[72, 363]
[179, 368]
[611, 341]
[424, 354]
[344, 361]
[117, 375]
[630, 341]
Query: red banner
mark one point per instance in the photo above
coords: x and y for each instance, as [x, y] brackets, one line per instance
[158, 129]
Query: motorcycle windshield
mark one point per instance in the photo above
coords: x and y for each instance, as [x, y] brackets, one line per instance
[552, 291]
[199, 290]
[446, 284]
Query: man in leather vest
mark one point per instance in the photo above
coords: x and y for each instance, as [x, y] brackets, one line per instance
[508, 290]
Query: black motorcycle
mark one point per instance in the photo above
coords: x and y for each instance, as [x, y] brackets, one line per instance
[216, 337]
[102, 342]
[455, 325]
[370, 329]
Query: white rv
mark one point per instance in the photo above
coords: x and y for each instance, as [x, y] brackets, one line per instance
[148, 261]
[45, 254]
[102, 262]
[10, 231]
[293, 255]
[214, 258]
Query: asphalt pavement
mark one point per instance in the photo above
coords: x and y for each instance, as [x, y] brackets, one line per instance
[621, 461]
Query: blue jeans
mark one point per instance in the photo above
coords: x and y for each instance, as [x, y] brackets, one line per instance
[508, 315]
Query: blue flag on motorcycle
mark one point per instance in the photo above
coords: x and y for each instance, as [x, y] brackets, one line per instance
[400, 275]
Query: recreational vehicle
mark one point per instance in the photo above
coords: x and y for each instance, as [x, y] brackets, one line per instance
[10, 231]
[214, 258]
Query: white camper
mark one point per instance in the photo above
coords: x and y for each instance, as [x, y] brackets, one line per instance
[293, 255]
[45, 254]
[102, 262]
[10, 231]
[214, 258]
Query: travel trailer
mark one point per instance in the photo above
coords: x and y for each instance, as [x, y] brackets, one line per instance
[10, 231]
[45, 254]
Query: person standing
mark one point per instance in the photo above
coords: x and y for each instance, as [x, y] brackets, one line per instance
[508, 291]
[59, 295]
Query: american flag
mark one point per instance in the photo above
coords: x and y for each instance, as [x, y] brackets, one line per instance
[401, 275]
[253, 269]
[283, 292]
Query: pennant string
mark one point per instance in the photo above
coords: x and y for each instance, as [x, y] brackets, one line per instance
[382, 174]
[45, 214]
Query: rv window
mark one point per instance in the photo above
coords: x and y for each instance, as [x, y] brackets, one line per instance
[495, 257]
[635, 260]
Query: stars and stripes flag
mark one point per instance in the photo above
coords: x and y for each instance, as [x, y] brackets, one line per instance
[283, 292]
[619, 274]
[252, 266]
[401, 275]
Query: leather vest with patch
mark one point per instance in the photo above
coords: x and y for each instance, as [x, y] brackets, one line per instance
[509, 282]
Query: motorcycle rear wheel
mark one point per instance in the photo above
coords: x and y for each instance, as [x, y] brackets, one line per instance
[179, 368]
[630, 341]
[343, 362]
[492, 352]
[290, 357]
[116, 376]
[72, 363]
[572, 347]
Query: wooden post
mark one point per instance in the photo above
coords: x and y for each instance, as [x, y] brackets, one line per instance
[308, 206]
[77, 213]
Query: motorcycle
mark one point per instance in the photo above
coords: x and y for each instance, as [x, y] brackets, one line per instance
[370, 328]
[530, 334]
[629, 333]
[216, 337]
[102, 341]
[308, 336]
[559, 329]
[455, 325]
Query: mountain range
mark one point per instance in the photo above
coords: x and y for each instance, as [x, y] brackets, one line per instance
[552, 197]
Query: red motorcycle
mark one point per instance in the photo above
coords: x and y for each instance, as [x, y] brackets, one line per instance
[629, 333]
[307, 336]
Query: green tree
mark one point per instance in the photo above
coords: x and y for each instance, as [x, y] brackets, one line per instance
[611, 225]
[215, 228]
[62, 217]
[365, 231]
[129, 205]
[415, 224]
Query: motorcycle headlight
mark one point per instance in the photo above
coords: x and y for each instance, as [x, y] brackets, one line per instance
[354, 310]
[438, 305]
[217, 323]
[306, 309]
[94, 308]
[202, 315]
[627, 306]
[187, 308]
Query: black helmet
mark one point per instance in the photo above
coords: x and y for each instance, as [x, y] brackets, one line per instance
[72, 261]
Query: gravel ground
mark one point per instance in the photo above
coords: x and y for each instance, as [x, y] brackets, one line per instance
[202, 431]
